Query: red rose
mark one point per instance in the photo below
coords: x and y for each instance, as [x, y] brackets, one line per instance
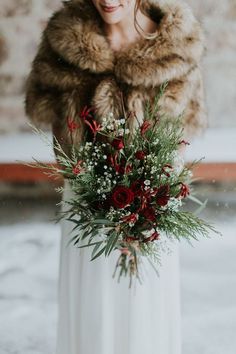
[149, 214]
[184, 191]
[137, 187]
[140, 155]
[118, 143]
[121, 197]
[162, 195]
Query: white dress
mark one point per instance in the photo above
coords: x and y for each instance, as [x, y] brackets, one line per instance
[98, 315]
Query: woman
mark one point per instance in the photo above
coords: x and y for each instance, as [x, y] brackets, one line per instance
[89, 52]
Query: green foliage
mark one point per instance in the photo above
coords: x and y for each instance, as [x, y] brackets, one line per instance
[154, 213]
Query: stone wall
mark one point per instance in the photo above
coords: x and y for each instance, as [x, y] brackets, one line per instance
[219, 21]
[21, 22]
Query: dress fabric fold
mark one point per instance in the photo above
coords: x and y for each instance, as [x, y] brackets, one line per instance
[98, 315]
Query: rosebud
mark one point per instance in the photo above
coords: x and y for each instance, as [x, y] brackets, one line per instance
[118, 143]
[140, 155]
[145, 127]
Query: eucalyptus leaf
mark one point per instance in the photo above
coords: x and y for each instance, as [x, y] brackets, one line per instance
[98, 254]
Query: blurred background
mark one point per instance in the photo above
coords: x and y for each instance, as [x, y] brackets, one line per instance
[29, 236]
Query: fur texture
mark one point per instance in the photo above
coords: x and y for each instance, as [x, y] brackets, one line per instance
[75, 66]
[3, 50]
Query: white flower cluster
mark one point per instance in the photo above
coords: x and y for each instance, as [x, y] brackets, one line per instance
[114, 214]
[147, 184]
[156, 141]
[122, 132]
[173, 204]
[153, 170]
[87, 146]
[91, 155]
[152, 164]
[140, 170]
[111, 124]
[105, 184]
[178, 164]
[152, 157]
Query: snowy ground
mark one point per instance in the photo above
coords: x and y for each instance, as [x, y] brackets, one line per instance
[29, 254]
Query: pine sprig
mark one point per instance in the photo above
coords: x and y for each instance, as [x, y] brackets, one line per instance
[183, 224]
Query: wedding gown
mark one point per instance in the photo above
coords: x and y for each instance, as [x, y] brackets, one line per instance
[98, 315]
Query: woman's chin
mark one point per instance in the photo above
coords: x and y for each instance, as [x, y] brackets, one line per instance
[111, 20]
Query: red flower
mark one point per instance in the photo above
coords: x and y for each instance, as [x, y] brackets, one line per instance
[154, 236]
[86, 113]
[140, 155]
[94, 126]
[77, 168]
[184, 191]
[145, 126]
[130, 218]
[149, 213]
[118, 143]
[121, 197]
[137, 187]
[71, 124]
[162, 195]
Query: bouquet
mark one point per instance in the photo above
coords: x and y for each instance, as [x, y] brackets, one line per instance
[129, 188]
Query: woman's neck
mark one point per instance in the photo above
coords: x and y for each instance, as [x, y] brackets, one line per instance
[123, 33]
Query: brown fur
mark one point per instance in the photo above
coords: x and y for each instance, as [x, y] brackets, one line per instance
[75, 66]
[3, 50]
